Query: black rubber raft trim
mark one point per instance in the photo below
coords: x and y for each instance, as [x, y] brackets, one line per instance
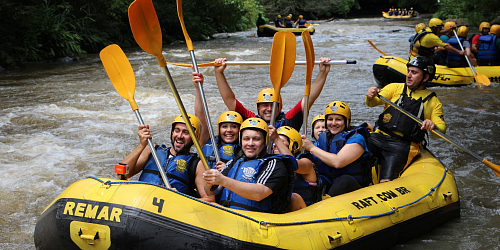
[145, 230]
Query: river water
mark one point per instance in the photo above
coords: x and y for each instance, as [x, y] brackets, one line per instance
[60, 123]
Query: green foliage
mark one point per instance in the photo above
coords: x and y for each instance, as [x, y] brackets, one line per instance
[474, 11]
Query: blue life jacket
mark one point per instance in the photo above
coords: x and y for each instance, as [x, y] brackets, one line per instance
[247, 171]
[355, 169]
[226, 152]
[280, 120]
[452, 56]
[180, 170]
[277, 22]
[390, 13]
[487, 50]
[288, 24]
[302, 23]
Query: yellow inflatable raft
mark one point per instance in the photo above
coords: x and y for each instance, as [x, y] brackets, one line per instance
[389, 69]
[268, 30]
[386, 15]
[111, 214]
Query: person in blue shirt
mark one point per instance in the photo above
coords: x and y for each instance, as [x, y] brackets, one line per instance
[339, 152]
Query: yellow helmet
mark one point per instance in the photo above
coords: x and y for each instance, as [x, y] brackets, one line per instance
[300, 16]
[448, 24]
[435, 22]
[462, 31]
[293, 136]
[419, 27]
[484, 25]
[267, 95]
[279, 16]
[289, 18]
[231, 116]
[195, 122]
[339, 108]
[255, 124]
[495, 29]
[315, 119]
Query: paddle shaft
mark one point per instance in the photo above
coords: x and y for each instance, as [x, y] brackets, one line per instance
[153, 151]
[259, 63]
[465, 55]
[184, 115]
[375, 47]
[494, 167]
[272, 122]
[205, 108]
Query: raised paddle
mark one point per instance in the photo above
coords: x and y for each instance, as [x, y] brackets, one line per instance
[122, 76]
[480, 78]
[309, 50]
[494, 167]
[200, 86]
[209, 64]
[147, 33]
[281, 66]
[375, 47]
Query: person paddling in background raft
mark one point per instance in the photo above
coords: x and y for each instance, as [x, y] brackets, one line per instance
[426, 41]
[489, 48]
[317, 127]
[301, 23]
[454, 60]
[418, 28]
[306, 189]
[228, 126]
[265, 98]
[398, 138]
[256, 181]
[278, 22]
[484, 29]
[289, 22]
[340, 152]
[181, 166]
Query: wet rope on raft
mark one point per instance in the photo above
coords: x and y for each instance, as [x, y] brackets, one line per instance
[349, 218]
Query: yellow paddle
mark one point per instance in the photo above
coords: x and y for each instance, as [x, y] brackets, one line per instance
[494, 167]
[480, 78]
[122, 76]
[373, 45]
[309, 49]
[147, 33]
[281, 66]
[200, 86]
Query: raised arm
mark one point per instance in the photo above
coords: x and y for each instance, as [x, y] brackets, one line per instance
[138, 158]
[198, 109]
[319, 82]
[225, 91]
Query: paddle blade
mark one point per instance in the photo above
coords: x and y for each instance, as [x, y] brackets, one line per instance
[184, 30]
[493, 167]
[282, 59]
[146, 28]
[309, 49]
[482, 79]
[120, 72]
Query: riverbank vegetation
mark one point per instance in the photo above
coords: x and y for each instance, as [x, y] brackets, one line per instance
[39, 30]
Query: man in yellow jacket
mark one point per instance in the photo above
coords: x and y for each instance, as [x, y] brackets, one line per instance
[398, 138]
